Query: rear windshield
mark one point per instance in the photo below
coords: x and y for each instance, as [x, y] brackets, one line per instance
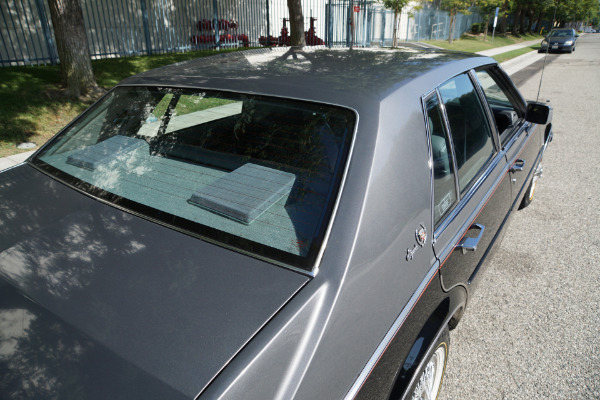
[252, 173]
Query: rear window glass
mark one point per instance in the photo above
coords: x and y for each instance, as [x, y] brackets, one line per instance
[254, 173]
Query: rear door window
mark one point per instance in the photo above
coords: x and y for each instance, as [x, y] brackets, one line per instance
[469, 128]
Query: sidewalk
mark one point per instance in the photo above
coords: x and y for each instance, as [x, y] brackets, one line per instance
[9, 161]
[518, 63]
[510, 66]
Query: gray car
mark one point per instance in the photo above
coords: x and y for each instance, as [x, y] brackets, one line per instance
[559, 40]
[270, 224]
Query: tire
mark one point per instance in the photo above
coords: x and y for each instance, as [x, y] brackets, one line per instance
[429, 378]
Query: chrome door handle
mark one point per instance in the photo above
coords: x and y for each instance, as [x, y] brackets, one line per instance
[518, 165]
[470, 244]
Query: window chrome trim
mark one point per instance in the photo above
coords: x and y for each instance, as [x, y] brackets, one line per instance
[449, 134]
[430, 154]
[334, 210]
[487, 109]
[424, 100]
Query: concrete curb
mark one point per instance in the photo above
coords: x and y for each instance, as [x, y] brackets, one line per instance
[516, 64]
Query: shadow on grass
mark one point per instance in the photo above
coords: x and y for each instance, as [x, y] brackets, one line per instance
[33, 108]
[30, 107]
[109, 72]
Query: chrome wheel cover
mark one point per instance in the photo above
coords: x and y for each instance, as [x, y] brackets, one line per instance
[428, 386]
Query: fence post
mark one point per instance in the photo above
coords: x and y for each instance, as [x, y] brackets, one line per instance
[383, 14]
[349, 23]
[216, 24]
[369, 25]
[419, 28]
[329, 25]
[46, 29]
[146, 29]
[268, 26]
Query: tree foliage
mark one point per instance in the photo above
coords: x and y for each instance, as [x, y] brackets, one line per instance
[487, 9]
[454, 7]
[527, 15]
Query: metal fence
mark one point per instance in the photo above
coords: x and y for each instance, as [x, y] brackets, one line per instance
[370, 24]
[117, 28]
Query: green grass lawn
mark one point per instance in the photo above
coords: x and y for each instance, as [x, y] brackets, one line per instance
[500, 58]
[475, 43]
[33, 109]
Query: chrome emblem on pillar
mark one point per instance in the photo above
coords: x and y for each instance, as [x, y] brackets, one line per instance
[421, 235]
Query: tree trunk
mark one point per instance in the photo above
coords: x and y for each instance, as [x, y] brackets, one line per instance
[530, 22]
[487, 26]
[451, 34]
[522, 21]
[516, 19]
[538, 24]
[72, 46]
[394, 38]
[503, 21]
[296, 23]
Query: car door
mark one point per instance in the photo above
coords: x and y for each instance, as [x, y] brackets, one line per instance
[521, 141]
[471, 194]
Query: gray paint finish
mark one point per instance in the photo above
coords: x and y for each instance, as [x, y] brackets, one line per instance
[352, 78]
[42, 357]
[318, 344]
[174, 306]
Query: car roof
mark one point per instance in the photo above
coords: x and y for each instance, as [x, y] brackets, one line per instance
[337, 76]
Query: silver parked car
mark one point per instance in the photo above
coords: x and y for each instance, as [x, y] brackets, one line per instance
[270, 224]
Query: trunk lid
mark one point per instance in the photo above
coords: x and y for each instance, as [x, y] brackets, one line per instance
[172, 308]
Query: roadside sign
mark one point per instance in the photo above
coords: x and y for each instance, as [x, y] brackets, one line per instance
[356, 8]
[495, 22]
[496, 16]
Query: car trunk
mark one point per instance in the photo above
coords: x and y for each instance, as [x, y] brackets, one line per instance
[104, 303]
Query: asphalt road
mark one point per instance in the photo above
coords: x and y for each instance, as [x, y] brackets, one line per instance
[532, 329]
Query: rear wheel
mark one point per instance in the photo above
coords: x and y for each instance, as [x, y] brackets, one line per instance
[429, 378]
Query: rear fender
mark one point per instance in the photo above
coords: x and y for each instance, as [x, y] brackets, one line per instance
[392, 374]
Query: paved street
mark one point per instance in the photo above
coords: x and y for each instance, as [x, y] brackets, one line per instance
[531, 331]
